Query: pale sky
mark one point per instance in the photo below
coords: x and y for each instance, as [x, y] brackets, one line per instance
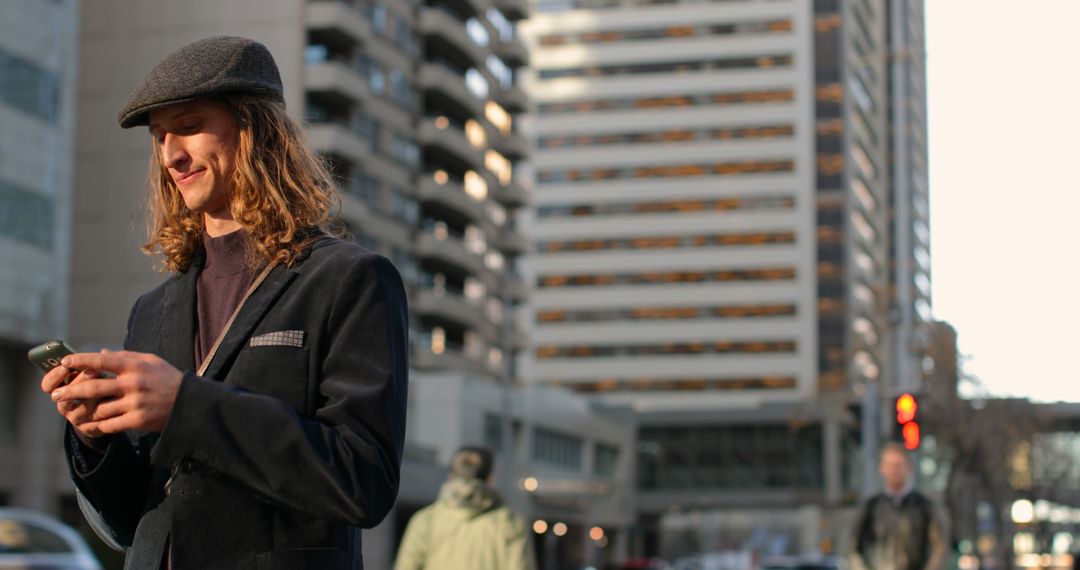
[1004, 111]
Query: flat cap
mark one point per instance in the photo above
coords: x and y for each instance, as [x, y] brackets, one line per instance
[213, 66]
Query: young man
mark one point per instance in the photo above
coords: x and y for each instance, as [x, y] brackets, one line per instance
[256, 417]
[898, 529]
[468, 528]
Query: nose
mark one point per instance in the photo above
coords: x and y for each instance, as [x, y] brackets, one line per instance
[173, 153]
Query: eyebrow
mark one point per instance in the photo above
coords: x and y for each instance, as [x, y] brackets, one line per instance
[188, 111]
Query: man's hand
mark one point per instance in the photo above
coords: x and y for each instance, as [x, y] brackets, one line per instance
[75, 411]
[140, 397]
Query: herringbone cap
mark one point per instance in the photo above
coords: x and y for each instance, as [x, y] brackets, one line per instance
[209, 67]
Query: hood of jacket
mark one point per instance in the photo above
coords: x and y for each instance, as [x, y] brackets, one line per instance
[471, 495]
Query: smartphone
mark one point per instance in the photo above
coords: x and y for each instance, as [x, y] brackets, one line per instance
[47, 356]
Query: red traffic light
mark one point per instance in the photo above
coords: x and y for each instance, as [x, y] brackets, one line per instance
[906, 406]
[911, 435]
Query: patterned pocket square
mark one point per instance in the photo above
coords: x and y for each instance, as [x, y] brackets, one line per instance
[279, 338]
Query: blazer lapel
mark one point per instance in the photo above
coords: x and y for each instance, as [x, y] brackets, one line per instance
[256, 306]
[176, 343]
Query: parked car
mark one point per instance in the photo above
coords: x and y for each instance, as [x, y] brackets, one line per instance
[33, 541]
[797, 563]
[645, 564]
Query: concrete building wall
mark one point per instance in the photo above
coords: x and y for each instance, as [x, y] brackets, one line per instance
[38, 74]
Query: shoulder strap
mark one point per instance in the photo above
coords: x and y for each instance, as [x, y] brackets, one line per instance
[225, 330]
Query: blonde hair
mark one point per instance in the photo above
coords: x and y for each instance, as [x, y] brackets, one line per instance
[281, 192]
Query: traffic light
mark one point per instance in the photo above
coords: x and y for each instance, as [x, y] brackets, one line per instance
[907, 408]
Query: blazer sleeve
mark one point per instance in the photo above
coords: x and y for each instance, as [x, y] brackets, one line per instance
[345, 462]
[114, 479]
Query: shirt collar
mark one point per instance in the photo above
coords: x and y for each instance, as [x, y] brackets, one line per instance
[898, 498]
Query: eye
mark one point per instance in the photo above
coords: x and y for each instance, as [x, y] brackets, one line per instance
[189, 128]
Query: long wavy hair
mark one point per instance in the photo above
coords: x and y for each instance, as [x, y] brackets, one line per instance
[283, 194]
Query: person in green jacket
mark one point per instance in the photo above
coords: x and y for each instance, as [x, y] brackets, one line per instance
[468, 527]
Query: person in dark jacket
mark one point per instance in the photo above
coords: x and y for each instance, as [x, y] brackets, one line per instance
[256, 416]
[899, 528]
[468, 527]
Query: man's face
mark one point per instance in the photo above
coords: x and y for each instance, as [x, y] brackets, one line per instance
[895, 469]
[197, 142]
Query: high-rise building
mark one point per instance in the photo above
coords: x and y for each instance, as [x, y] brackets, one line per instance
[38, 65]
[719, 199]
[909, 205]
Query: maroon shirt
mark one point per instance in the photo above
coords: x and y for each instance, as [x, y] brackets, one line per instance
[218, 290]
[220, 287]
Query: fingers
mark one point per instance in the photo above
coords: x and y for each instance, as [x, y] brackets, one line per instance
[108, 361]
[96, 390]
[115, 424]
[55, 378]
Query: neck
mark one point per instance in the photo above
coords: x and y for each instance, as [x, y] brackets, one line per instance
[220, 223]
[898, 490]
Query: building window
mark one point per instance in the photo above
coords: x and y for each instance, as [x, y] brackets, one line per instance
[405, 151]
[378, 18]
[366, 188]
[557, 450]
[493, 431]
[667, 137]
[403, 207]
[675, 384]
[376, 77]
[404, 37]
[368, 129]
[765, 61]
[666, 277]
[502, 25]
[605, 459]
[669, 32]
[670, 242]
[498, 117]
[476, 83]
[672, 313]
[667, 207]
[499, 166]
[502, 72]
[751, 456]
[688, 170]
[671, 100]
[667, 349]
[26, 216]
[401, 91]
[29, 88]
[477, 32]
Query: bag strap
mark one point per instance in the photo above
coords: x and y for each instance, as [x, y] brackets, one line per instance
[228, 324]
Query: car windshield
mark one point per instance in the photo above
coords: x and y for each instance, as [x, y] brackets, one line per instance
[21, 537]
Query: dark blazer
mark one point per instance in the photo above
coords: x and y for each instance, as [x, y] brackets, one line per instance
[283, 449]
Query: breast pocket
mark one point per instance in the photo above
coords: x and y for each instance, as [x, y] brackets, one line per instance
[277, 371]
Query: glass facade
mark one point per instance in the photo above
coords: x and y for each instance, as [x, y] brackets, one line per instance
[666, 313]
[731, 457]
[558, 450]
[676, 67]
[29, 88]
[675, 100]
[666, 277]
[666, 349]
[661, 385]
[26, 217]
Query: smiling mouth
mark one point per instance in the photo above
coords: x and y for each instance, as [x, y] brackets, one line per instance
[188, 176]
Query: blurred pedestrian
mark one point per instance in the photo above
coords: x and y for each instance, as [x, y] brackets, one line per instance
[468, 527]
[257, 415]
[899, 528]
